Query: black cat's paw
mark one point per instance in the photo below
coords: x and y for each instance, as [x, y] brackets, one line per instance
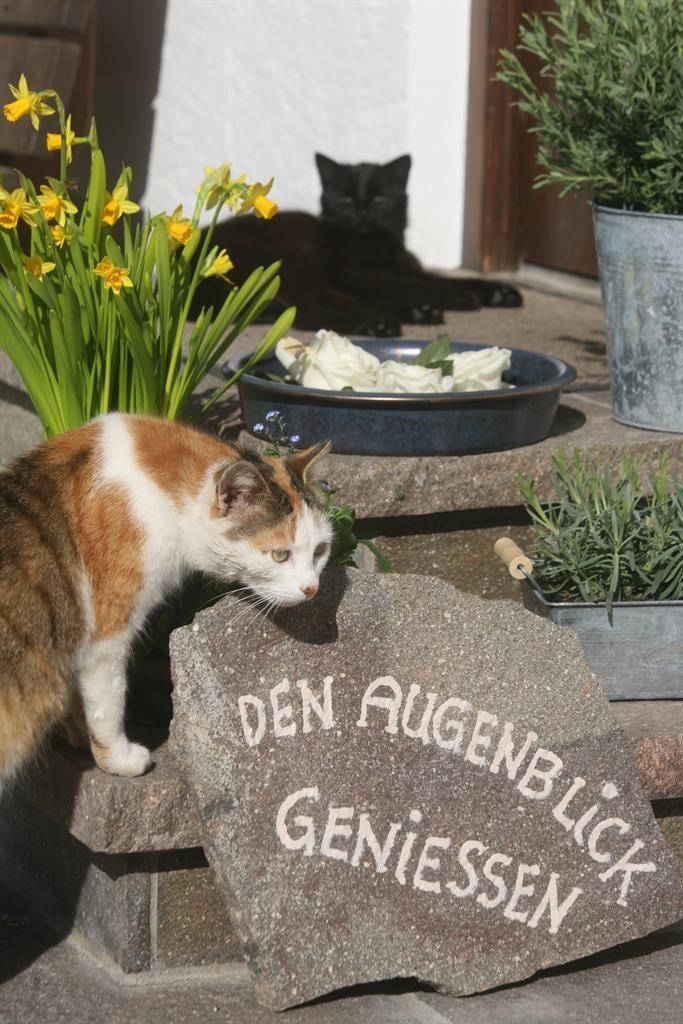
[424, 313]
[495, 293]
[463, 298]
[381, 327]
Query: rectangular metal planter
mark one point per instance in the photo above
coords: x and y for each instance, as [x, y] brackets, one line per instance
[639, 656]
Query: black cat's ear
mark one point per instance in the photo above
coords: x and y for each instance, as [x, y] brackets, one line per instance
[327, 168]
[238, 484]
[300, 463]
[399, 169]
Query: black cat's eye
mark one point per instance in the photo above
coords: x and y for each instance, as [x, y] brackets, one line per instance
[321, 550]
[378, 199]
[280, 554]
[347, 199]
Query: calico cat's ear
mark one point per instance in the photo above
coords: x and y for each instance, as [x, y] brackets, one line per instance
[239, 483]
[327, 168]
[399, 169]
[300, 463]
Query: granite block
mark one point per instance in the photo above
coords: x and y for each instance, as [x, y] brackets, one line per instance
[340, 746]
[192, 925]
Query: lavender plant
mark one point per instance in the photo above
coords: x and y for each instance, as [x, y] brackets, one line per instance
[607, 537]
[608, 110]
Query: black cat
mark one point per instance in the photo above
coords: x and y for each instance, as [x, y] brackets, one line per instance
[348, 270]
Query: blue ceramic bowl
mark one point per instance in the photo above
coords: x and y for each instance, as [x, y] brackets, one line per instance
[419, 424]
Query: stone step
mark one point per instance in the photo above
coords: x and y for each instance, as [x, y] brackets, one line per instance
[386, 486]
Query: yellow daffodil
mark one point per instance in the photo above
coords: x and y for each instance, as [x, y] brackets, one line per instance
[116, 204]
[25, 103]
[217, 181]
[264, 207]
[219, 266]
[34, 265]
[59, 235]
[115, 278]
[54, 206]
[257, 202]
[178, 228]
[53, 140]
[16, 205]
[104, 267]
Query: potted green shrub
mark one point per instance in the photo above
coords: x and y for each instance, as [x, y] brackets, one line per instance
[610, 122]
[607, 560]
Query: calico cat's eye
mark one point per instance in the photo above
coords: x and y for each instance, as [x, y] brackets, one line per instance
[280, 554]
[320, 550]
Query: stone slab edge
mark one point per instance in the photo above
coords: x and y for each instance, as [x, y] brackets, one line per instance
[400, 486]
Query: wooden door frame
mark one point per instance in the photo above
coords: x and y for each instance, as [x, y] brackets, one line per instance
[492, 237]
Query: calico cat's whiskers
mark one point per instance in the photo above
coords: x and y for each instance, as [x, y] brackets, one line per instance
[219, 596]
[256, 604]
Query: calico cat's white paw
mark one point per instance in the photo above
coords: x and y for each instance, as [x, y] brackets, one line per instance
[129, 759]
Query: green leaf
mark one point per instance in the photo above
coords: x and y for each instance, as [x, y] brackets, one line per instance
[91, 216]
[433, 354]
[383, 563]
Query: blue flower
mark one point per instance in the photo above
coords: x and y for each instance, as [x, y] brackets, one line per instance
[324, 486]
[294, 439]
[272, 414]
[258, 428]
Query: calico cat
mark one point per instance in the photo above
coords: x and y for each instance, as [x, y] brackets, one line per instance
[97, 526]
[348, 270]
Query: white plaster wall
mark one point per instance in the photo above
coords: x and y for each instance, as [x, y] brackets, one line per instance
[266, 83]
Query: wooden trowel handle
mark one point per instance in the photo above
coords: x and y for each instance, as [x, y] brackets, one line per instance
[519, 566]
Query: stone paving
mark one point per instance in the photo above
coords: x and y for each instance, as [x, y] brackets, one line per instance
[44, 981]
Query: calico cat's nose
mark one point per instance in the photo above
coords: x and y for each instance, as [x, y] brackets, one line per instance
[310, 591]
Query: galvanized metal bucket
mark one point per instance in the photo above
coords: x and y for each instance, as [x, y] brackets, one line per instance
[636, 653]
[640, 260]
[636, 656]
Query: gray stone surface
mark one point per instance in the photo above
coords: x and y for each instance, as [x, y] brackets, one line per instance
[462, 557]
[286, 789]
[105, 900]
[400, 486]
[192, 925]
[110, 814]
[655, 727]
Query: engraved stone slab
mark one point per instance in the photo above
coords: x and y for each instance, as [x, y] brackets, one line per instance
[403, 780]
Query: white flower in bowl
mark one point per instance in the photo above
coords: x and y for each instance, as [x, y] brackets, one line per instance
[405, 378]
[329, 361]
[480, 369]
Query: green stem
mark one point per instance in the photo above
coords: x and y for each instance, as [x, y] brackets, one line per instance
[178, 340]
[108, 352]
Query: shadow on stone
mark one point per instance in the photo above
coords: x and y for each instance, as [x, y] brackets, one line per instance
[15, 396]
[664, 938]
[30, 854]
[391, 987]
[316, 623]
[566, 421]
[592, 347]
